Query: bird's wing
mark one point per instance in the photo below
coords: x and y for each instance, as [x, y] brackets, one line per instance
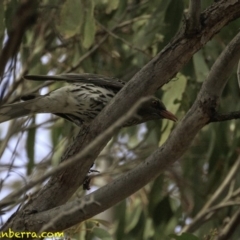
[98, 80]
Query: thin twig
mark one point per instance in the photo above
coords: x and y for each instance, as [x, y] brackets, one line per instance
[123, 40]
[87, 54]
[205, 210]
[230, 227]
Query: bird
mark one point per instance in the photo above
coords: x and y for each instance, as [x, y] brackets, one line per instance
[81, 100]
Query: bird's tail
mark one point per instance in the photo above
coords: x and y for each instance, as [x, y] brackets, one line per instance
[16, 110]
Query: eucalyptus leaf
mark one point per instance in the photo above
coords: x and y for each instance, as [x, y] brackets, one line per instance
[200, 66]
[172, 97]
[89, 25]
[70, 18]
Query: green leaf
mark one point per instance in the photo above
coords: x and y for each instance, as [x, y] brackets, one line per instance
[133, 215]
[148, 229]
[120, 11]
[55, 135]
[112, 5]
[173, 17]
[70, 18]
[105, 223]
[173, 92]
[89, 25]
[120, 214]
[146, 30]
[200, 66]
[102, 234]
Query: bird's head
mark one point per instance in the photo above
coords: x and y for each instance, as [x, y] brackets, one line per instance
[155, 109]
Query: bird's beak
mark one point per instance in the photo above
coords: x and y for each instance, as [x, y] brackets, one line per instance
[168, 115]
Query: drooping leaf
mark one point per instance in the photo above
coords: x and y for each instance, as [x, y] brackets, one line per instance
[89, 24]
[133, 216]
[70, 18]
[102, 234]
[200, 66]
[173, 93]
[112, 5]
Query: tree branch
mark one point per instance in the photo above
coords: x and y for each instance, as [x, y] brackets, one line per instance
[225, 117]
[232, 225]
[200, 217]
[193, 21]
